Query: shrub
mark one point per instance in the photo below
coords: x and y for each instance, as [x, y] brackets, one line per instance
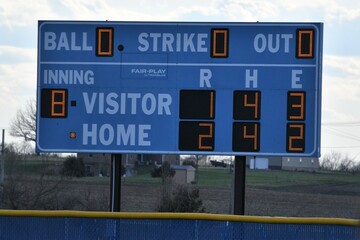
[73, 167]
[183, 199]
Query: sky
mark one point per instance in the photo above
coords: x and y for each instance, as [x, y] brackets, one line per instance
[341, 48]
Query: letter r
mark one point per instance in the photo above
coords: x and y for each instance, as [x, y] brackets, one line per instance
[205, 76]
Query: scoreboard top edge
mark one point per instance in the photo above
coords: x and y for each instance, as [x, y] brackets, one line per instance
[183, 23]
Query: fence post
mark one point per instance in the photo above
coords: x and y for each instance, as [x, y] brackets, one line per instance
[115, 181]
[239, 185]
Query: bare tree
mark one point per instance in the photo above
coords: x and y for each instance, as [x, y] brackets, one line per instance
[22, 191]
[335, 161]
[24, 124]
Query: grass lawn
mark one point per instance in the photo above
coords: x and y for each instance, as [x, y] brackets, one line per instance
[221, 177]
[277, 178]
[217, 177]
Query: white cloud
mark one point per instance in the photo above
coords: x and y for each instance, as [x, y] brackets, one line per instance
[12, 54]
[341, 88]
[347, 65]
[17, 80]
[17, 13]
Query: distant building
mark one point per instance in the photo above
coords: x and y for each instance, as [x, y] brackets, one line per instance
[274, 163]
[96, 164]
[100, 164]
[183, 174]
[149, 159]
[300, 164]
[284, 163]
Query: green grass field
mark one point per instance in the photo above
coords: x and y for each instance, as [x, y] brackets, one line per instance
[221, 177]
[325, 182]
[284, 178]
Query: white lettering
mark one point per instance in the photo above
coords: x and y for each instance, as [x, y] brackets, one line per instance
[111, 103]
[148, 103]
[260, 43]
[251, 78]
[120, 134]
[168, 42]
[66, 41]
[205, 76]
[286, 38]
[134, 97]
[69, 77]
[101, 103]
[63, 42]
[143, 135]
[85, 46]
[144, 42]
[164, 102]
[295, 79]
[201, 44]
[106, 134]
[273, 49]
[123, 103]
[89, 104]
[155, 37]
[49, 41]
[274, 43]
[92, 134]
[125, 135]
[73, 43]
[188, 42]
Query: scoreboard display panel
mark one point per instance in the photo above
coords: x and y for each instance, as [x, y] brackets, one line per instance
[179, 87]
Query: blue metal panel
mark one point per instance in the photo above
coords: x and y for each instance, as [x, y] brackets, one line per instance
[117, 228]
[129, 102]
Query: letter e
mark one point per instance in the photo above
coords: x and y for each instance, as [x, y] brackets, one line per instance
[295, 79]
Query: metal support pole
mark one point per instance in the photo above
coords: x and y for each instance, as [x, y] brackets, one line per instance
[239, 185]
[115, 179]
[2, 166]
[2, 158]
[3, 142]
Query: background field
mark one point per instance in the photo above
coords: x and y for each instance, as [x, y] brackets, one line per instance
[268, 193]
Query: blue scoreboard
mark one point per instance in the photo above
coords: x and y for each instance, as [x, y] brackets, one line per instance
[179, 87]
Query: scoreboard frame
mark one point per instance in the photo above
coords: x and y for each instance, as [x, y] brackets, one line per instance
[160, 89]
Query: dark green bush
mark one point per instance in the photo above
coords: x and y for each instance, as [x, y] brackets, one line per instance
[73, 167]
[183, 199]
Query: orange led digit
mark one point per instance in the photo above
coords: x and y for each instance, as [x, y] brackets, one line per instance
[219, 43]
[197, 104]
[58, 103]
[254, 105]
[53, 103]
[254, 136]
[246, 136]
[202, 136]
[196, 136]
[305, 43]
[211, 114]
[296, 106]
[104, 46]
[295, 136]
[247, 105]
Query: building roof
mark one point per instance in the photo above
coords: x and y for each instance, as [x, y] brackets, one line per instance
[182, 167]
